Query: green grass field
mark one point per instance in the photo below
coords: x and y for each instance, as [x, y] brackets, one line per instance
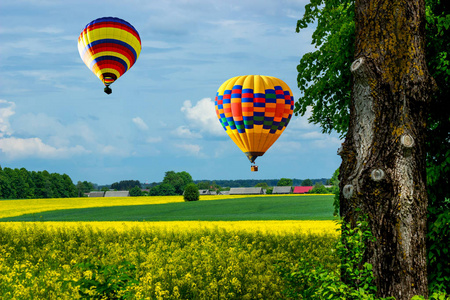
[319, 207]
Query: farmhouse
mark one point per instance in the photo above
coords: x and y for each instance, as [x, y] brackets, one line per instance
[96, 194]
[282, 190]
[302, 189]
[247, 191]
[117, 194]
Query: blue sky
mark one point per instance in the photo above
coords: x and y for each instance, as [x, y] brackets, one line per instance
[55, 116]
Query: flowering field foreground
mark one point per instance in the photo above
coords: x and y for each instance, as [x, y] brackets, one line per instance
[156, 260]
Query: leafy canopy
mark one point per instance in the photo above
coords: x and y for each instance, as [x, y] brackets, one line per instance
[284, 182]
[191, 193]
[324, 75]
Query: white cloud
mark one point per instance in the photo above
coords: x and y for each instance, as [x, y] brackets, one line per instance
[153, 140]
[191, 149]
[140, 123]
[185, 132]
[107, 149]
[113, 150]
[329, 142]
[19, 30]
[287, 146]
[240, 29]
[225, 148]
[52, 129]
[58, 137]
[202, 116]
[15, 148]
[6, 111]
[33, 47]
[301, 122]
[313, 135]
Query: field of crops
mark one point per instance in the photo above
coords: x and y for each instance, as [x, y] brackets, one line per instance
[172, 208]
[11, 208]
[154, 260]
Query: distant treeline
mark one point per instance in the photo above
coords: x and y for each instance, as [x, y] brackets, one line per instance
[23, 184]
[125, 185]
[253, 182]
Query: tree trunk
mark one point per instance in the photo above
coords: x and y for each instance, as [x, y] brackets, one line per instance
[382, 174]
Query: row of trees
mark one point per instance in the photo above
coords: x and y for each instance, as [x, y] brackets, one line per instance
[208, 185]
[125, 185]
[254, 182]
[318, 187]
[173, 183]
[23, 184]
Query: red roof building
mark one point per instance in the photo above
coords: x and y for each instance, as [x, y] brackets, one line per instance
[302, 189]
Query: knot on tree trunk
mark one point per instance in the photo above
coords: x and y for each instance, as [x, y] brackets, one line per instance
[360, 71]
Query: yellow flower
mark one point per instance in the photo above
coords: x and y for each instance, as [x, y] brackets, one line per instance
[88, 274]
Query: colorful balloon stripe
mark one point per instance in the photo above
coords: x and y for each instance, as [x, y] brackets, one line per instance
[110, 22]
[106, 44]
[109, 47]
[254, 110]
[120, 64]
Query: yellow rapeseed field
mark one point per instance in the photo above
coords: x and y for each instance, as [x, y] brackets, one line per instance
[152, 260]
[273, 227]
[184, 260]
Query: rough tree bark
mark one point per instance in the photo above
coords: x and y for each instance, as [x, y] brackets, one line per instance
[382, 174]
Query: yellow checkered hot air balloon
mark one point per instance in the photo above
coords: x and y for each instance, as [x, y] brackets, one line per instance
[109, 47]
[254, 110]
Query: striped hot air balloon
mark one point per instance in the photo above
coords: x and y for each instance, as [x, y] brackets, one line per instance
[254, 110]
[109, 47]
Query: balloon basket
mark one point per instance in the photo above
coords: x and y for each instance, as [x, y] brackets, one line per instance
[108, 90]
[254, 168]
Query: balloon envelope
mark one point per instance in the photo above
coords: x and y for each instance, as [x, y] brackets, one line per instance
[109, 47]
[254, 110]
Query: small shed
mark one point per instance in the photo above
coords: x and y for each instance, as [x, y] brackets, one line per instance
[282, 190]
[117, 194]
[247, 191]
[302, 189]
[96, 194]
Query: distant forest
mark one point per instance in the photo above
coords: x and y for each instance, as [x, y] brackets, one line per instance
[23, 184]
